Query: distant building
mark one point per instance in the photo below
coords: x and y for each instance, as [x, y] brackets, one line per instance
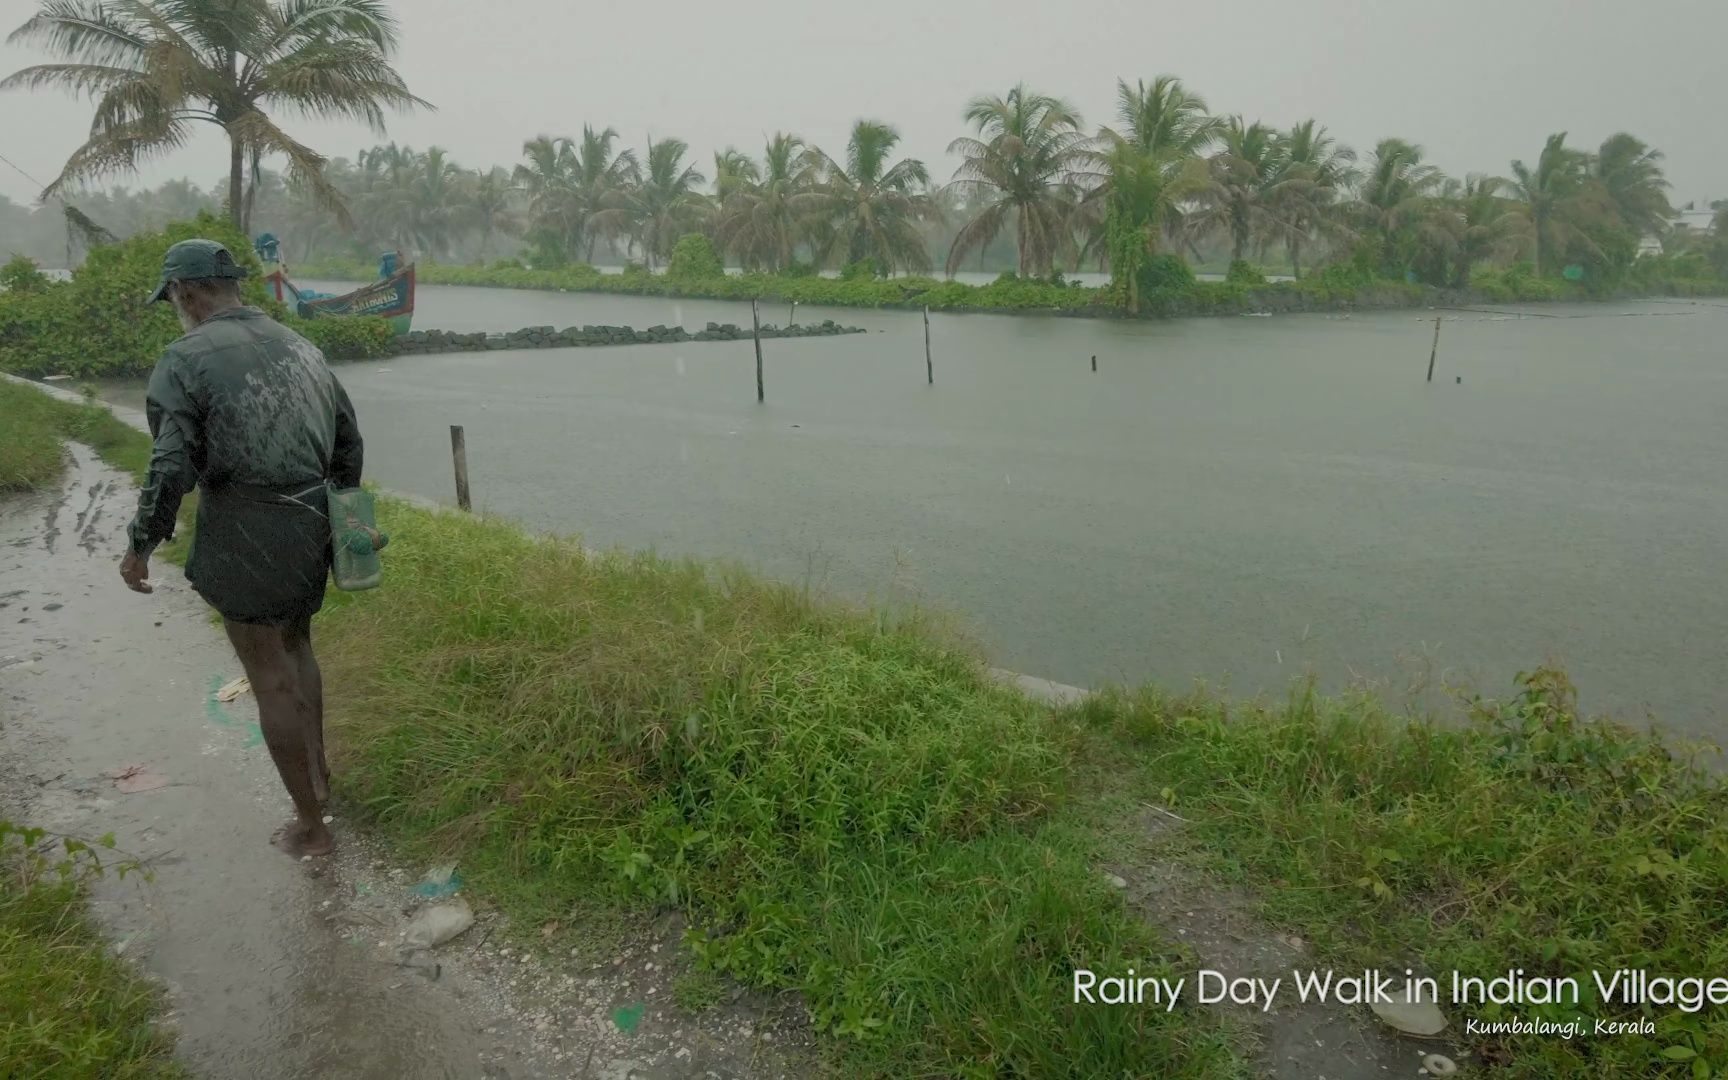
[1684, 223]
[1693, 220]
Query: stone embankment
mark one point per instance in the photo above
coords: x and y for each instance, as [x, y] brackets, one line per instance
[546, 337]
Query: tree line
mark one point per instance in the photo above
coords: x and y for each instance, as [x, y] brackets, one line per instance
[1166, 179]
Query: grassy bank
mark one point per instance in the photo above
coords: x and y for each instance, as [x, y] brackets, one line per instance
[33, 427]
[847, 808]
[67, 1008]
[842, 805]
[1525, 838]
[1338, 288]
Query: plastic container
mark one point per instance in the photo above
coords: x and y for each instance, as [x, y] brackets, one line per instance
[355, 540]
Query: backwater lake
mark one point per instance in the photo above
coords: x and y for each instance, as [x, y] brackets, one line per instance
[1237, 501]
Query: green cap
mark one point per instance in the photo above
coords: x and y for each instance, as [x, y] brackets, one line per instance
[192, 260]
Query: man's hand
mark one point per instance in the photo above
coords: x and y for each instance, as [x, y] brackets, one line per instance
[135, 572]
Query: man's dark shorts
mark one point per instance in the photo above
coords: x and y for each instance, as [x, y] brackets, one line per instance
[261, 555]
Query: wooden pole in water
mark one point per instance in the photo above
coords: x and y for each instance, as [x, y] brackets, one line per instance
[459, 455]
[1094, 361]
[756, 327]
[929, 367]
[792, 316]
[1435, 351]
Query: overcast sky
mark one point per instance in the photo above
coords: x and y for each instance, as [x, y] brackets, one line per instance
[1476, 82]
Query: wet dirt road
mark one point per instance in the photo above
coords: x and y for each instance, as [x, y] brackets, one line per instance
[96, 677]
[275, 967]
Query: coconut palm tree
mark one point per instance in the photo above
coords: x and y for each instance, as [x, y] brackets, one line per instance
[1545, 192]
[548, 178]
[491, 199]
[659, 202]
[1393, 196]
[1024, 168]
[733, 172]
[599, 174]
[1143, 172]
[1486, 224]
[870, 206]
[436, 202]
[1631, 173]
[156, 67]
[1318, 171]
[385, 198]
[1249, 178]
[758, 222]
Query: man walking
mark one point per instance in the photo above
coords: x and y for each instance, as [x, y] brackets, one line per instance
[247, 411]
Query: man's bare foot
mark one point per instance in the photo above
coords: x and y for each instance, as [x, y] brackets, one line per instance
[299, 838]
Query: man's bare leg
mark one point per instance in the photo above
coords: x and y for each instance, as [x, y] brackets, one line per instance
[286, 722]
[298, 637]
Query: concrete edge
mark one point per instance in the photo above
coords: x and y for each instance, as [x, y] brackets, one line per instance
[1041, 690]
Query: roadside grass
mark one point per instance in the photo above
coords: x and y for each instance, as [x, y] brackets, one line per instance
[34, 425]
[1524, 838]
[67, 1008]
[840, 804]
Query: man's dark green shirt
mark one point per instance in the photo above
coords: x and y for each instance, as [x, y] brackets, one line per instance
[241, 399]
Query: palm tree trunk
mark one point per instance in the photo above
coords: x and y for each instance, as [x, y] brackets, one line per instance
[236, 180]
[1295, 246]
[251, 192]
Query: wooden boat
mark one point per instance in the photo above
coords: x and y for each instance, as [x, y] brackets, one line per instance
[390, 297]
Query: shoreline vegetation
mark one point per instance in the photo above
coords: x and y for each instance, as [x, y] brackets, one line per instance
[842, 803]
[1246, 292]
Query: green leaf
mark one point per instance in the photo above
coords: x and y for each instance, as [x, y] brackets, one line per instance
[1679, 1053]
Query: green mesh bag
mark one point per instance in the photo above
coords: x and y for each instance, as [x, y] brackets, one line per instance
[354, 540]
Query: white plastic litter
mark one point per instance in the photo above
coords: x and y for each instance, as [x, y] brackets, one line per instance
[435, 925]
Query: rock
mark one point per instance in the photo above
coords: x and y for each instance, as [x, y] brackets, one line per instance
[1420, 1016]
[1116, 881]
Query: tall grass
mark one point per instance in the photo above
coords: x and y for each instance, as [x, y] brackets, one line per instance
[67, 1008]
[1527, 837]
[840, 804]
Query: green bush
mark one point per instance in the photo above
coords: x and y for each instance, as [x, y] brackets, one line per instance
[1243, 272]
[861, 270]
[1166, 271]
[347, 337]
[20, 275]
[99, 323]
[693, 259]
